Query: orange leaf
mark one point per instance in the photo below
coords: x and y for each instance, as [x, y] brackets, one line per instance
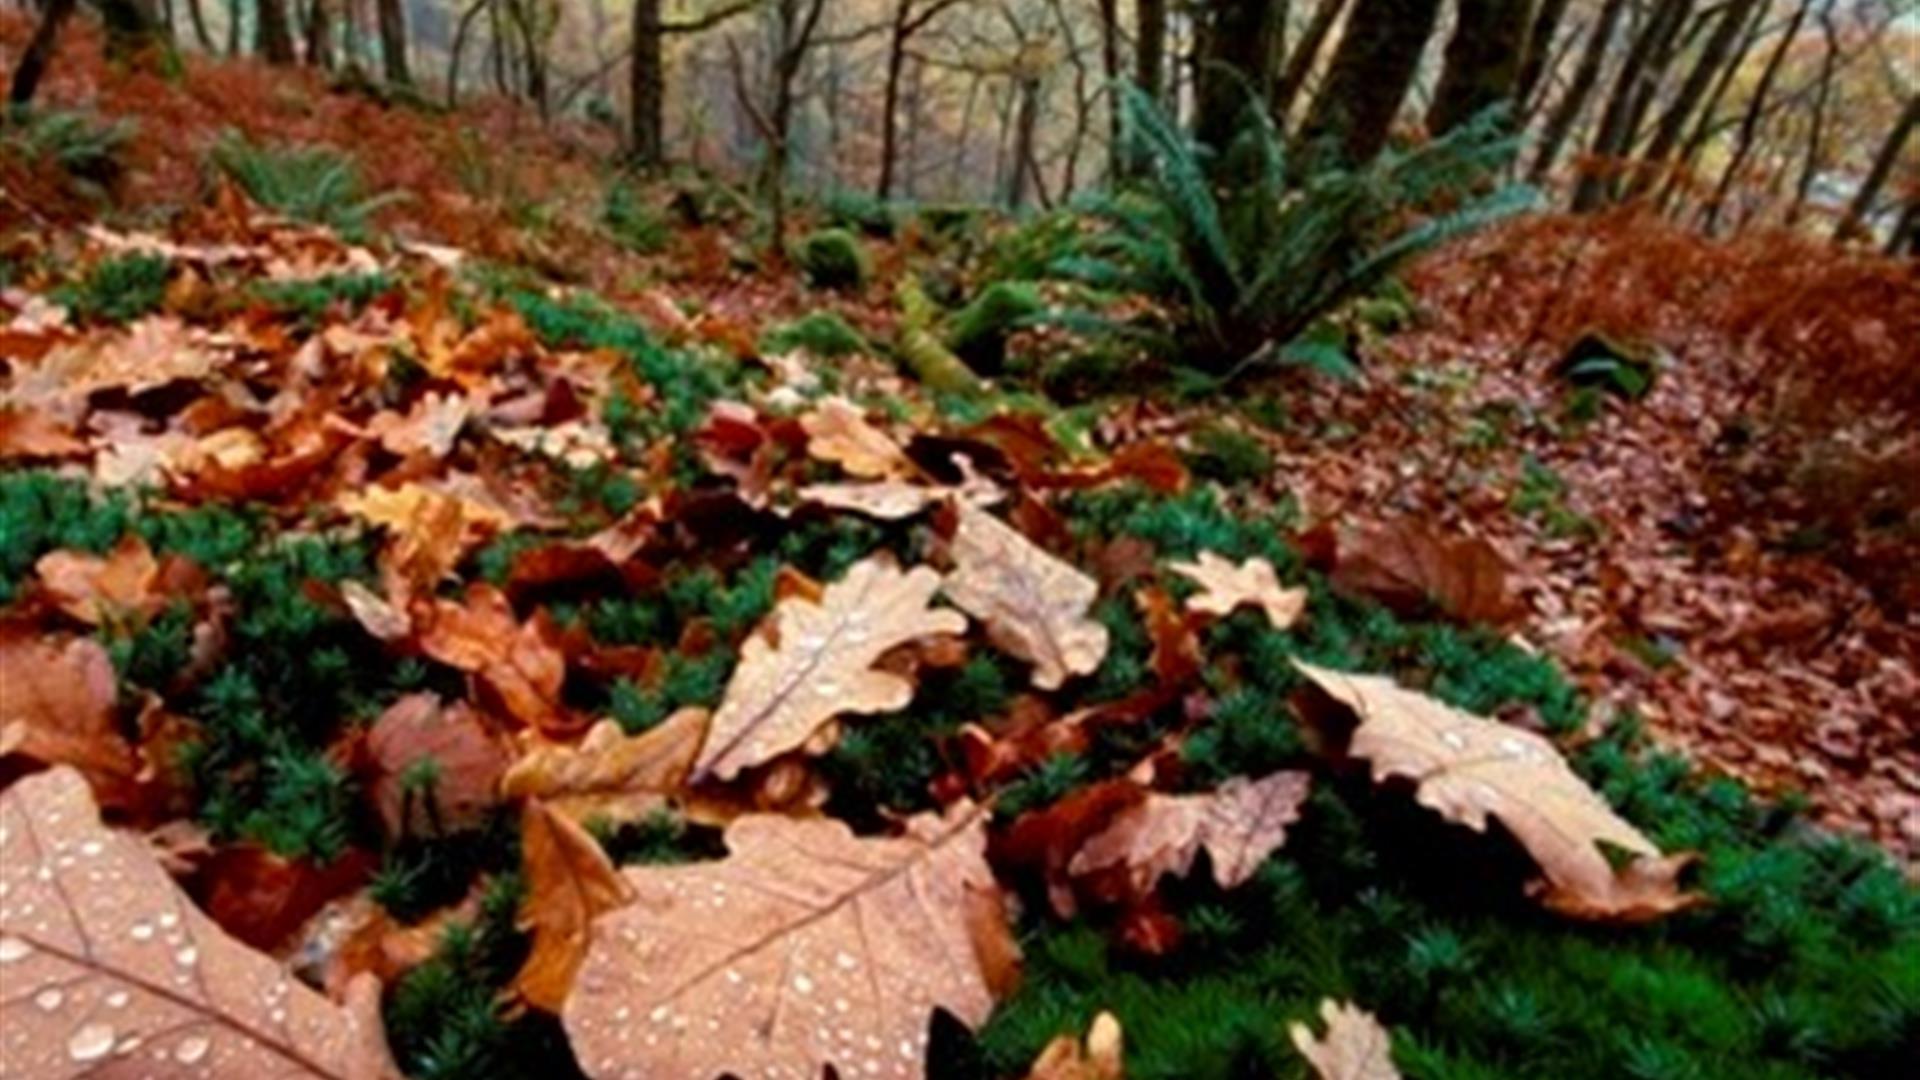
[1096, 1058]
[59, 709]
[570, 882]
[1408, 566]
[838, 431]
[522, 664]
[609, 774]
[435, 769]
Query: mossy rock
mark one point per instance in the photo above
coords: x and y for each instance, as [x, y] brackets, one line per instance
[857, 210]
[821, 333]
[1617, 366]
[832, 259]
[978, 333]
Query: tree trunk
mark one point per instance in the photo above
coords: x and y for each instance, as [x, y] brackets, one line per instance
[1539, 48]
[1756, 108]
[1906, 232]
[39, 53]
[890, 95]
[1641, 69]
[1150, 49]
[319, 35]
[1369, 77]
[1025, 127]
[1483, 61]
[1236, 58]
[393, 41]
[1299, 65]
[1719, 51]
[1110, 67]
[457, 53]
[275, 36]
[1877, 175]
[198, 17]
[1703, 123]
[1817, 124]
[646, 87]
[1573, 102]
[533, 40]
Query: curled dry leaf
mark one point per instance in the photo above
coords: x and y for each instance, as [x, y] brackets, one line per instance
[58, 708]
[522, 664]
[1240, 825]
[1408, 566]
[570, 882]
[95, 589]
[838, 431]
[1226, 587]
[609, 774]
[1098, 1057]
[429, 530]
[806, 947]
[1355, 1046]
[1048, 839]
[435, 768]
[1469, 768]
[1034, 605]
[821, 663]
[151, 353]
[110, 970]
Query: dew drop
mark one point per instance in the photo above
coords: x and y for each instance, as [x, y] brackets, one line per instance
[49, 999]
[90, 1042]
[92, 847]
[141, 931]
[1453, 739]
[187, 956]
[168, 920]
[13, 948]
[191, 1049]
[803, 984]
[118, 999]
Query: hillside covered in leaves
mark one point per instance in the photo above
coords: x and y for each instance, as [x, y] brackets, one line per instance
[482, 612]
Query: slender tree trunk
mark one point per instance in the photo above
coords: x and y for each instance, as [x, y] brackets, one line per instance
[1483, 61]
[646, 86]
[1906, 232]
[1539, 48]
[393, 41]
[1110, 67]
[1299, 65]
[533, 40]
[198, 17]
[1573, 102]
[1719, 51]
[1236, 57]
[1756, 108]
[39, 52]
[916, 116]
[1150, 47]
[1639, 73]
[1817, 123]
[275, 36]
[890, 94]
[1883, 162]
[319, 35]
[1369, 76]
[1704, 121]
[1025, 127]
[457, 54]
[233, 27]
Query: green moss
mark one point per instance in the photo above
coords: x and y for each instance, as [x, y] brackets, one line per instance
[822, 333]
[832, 259]
[310, 300]
[978, 332]
[119, 289]
[1228, 455]
[633, 222]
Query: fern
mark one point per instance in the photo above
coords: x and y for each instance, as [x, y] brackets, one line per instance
[315, 184]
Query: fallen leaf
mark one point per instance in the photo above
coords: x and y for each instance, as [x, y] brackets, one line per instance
[375, 613]
[435, 768]
[1469, 768]
[837, 431]
[1034, 605]
[1225, 587]
[116, 961]
[429, 530]
[261, 898]
[1355, 1046]
[522, 664]
[570, 882]
[96, 589]
[1048, 839]
[59, 709]
[1239, 825]
[1098, 1057]
[821, 663]
[805, 948]
[429, 428]
[150, 353]
[609, 774]
[1408, 566]
[32, 433]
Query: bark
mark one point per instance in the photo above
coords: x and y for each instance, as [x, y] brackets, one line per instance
[526, 19]
[1482, 63]
[646, 87]
[198, 17]
[275, 35]
[1566, 113]
[1025, 126]
[1150, 48]
[1906, 232]
[1878, 174]
[909, 18]
[1720, 50]
[1236, 57]
[1639, 72]
[1369, 76]
[39, 52]
[1299, 65]
[1817, 125]
[393, 41]
[457, 52]
[1756, 108]
[319, 34]
[1539, 48]
[1110, 67]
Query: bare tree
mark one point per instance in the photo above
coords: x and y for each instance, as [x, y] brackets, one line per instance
[1150, 47]
[1750, 121]
[393, 41]
[1882, 168]
[275, 35]
[909, 18]
[1293, 76]
[1640, 73]
[1817, 122]
[39, 51]
[1573, 101]
[1369, 77]
[1235, 54]
[1482, 62]
[795, 23]
[1720, 51]
[1538, 55]
[646, 126]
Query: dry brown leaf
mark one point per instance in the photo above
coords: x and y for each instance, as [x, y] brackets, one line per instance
[429, 530]
[570, 882]
[95, 588]
[32, 433]
[888, 500]
[429, 428]
[58, 708]
[152, 352]
[1098, 1057]
[806, 947]
[1355, 1046]
[1469, 768]
[838, 431]
[435, 768]
[375, 613]
[1034, 605]
[111, 971]
[522, 664]
[823, 663]
[1408, 566]
[1225, 587]
[1240, 825]
[610, 774]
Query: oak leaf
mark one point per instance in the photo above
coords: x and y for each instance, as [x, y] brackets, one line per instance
[570, 882]
[807, 947]
[609, 774]
[1469, 768]
[821, 663]
[435, 768]
[110, 970]
[428, 530]
[58, 708]
[1239, 825]
[1355, 1046]
[1097, 1057]
[838, 431]
[1034, 605]
[152, 352]
[1407, 566]
[1225, 587]
[97, 588]
[522, 664]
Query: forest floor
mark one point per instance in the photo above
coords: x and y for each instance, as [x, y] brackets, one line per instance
[1622, 558]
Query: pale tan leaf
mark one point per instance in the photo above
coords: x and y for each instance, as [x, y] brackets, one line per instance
[150, 353]
[610, 774]
[375, 613]
[838, 431]
[1098, 1057]
[1034, 605]
[97, 588]
[111, 971]
[1355, 1046]
[806, 947]
[1469, 768]
[1225, 587]
[823, 663]
[888, 500]
[570, 883]
[1240, 825]
[58, 704]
